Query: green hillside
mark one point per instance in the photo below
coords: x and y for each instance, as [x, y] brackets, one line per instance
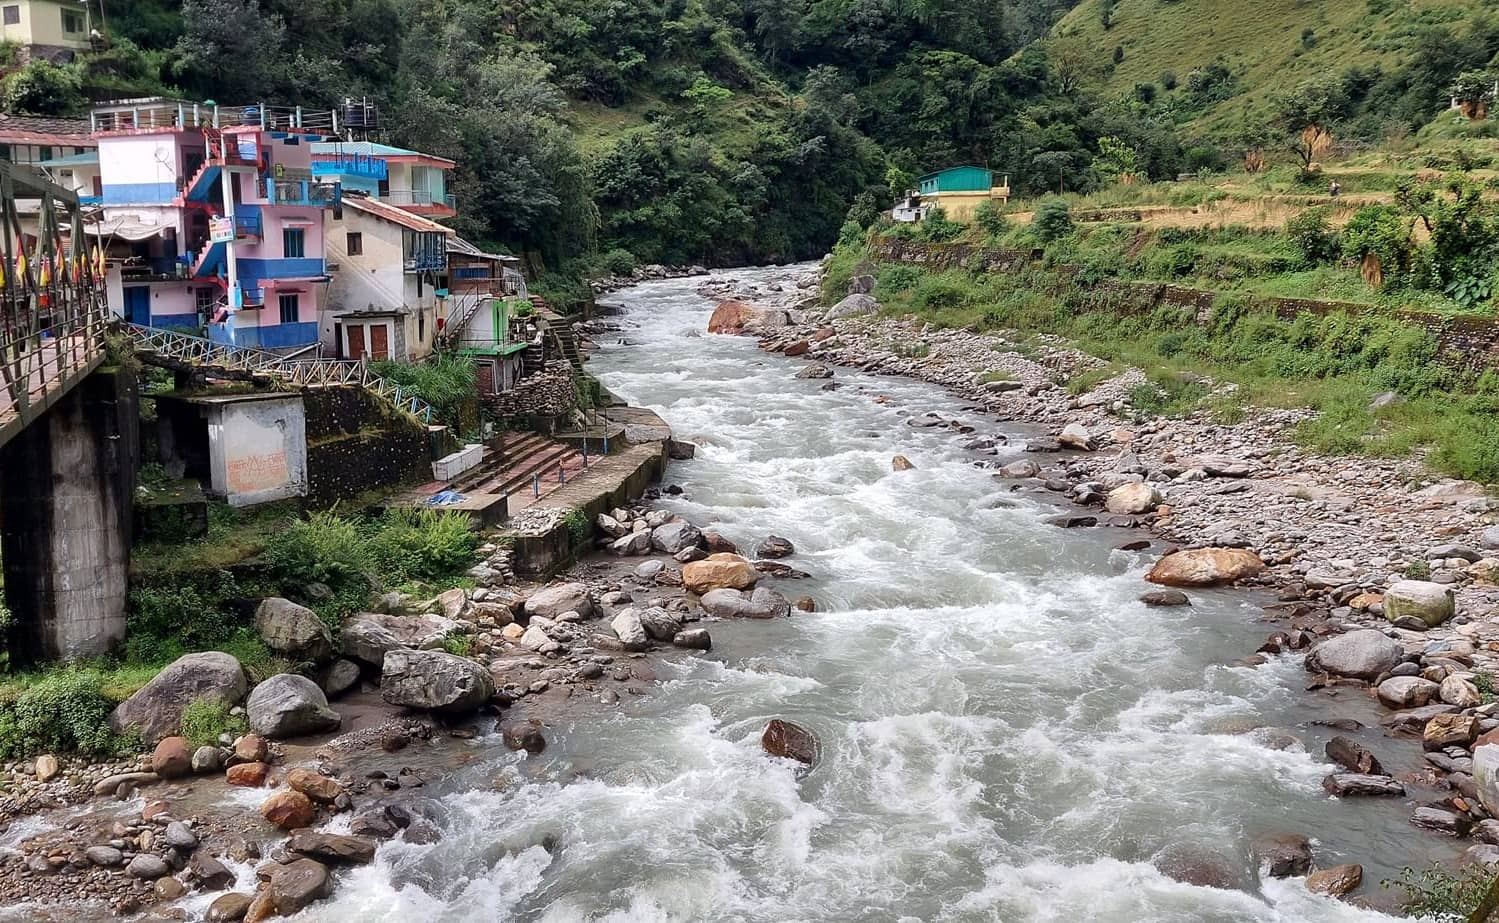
[1230, 60]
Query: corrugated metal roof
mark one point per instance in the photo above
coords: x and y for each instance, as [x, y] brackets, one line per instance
[457, 244]
[90, 158]
[371, 149]
[393, 214]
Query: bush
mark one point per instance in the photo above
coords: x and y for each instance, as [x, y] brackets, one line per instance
[421, 544]
[42, 88]
[991, 220]
[323, 548]
[64, 711]
[618, 262]
[1052, 221]
[896, 278]
[446, 382]
[1313, 237]
[205, 719]
[936, 227]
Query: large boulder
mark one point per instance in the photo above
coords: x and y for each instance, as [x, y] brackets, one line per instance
[1132, 500]
[1206, 567]
[296, 884]
[293, 630]
[731, 317]
[1075, 436]
[435, 681]
[674, 536]
[764, 603]
[853, 306]
[1486, 775]
[1362, 654]
[630, 630]
[367, 636]
[1406, 692]
[156, 708]
[550, 602]
[289, 705]
[789, 740]
[718, 571]
[1431, 603]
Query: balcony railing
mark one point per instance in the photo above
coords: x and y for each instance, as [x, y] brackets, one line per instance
[418, 198]
[299, 192]
[426, 262]
[161, 114]
[361, 165]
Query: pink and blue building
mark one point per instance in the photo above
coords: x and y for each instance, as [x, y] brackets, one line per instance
[212, 218]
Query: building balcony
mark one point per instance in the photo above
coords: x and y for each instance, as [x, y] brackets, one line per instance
[426, 262]
[359, 165]
[300, 192]
[248, 227]
[421, 202]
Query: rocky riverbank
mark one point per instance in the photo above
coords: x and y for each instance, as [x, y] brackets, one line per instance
[1384, 570]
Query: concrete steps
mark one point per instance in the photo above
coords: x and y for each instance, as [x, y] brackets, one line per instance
[515, 469]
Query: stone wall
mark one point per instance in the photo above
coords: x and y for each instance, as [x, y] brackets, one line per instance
[1469, 342]
[356, 443]
[548, 393]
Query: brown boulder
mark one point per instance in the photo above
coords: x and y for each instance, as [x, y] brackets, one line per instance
[333, 848]
[228, 908]
[1337, 881]
[901, 463]
[314, 785]
[250, 775]
[789, 740]
[732, 317]
[1285, 855]
[289, 810]
[1206, 567]
[1449, 730]
[297, 884]
[251, 748]
[719, 571]
[1353, 756]
[172, 758]
[717, 544]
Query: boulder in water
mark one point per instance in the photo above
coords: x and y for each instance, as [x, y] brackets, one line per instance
[1284, 855]
[1361, 654]
[789, 740]
[434, 680]
[719, 571]
[1206, 567]
[1194, 865]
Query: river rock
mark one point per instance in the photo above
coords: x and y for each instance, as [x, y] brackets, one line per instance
[1406, 692]
[775, 546]
[1353, 756]
[368, 636]
[1362, 654]
[46, 767]
[696, 639]
[901, 463]
[718, 571]
[208, 758]
[675, 536]
[630, 631]
[249, 775]
[1486, 776]
[333, 848]
[148, 867]
[289, 810]
[1283, 855]
[106, 856]
[1347, 784]
[1020, 470]
[228, 908]
[314, 785]
[854, 305]
[1489, 538]
[208, 872]
[295, 885]
[1336, 881]
[1192, 864]
[1075, 436]
[1457, 691]
[764, 603]
[293, 630]
[816, 371]
[179, 836]
[636, 543]
[732, 317]
[289, 705]
[1431, 603]
[156, 708]
[550, 602]
[1165, 598]
[660, 624]
[524, 736]
[789, 740]
[1132, 500]
[172, 758]
[1199, 567]
[715, 543]
[339, 677]
[1441, 820]
[1450, 730]
[435, 681]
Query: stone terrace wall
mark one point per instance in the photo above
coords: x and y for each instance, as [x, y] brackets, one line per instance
[355, 444]
[548, 393]
[1470, 342]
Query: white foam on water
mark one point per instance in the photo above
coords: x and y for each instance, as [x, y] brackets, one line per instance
[1006, 732]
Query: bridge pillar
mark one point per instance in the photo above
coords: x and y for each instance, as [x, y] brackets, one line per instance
[67, 485]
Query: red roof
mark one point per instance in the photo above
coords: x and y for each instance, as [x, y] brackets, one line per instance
[393, 214]
[31, 129]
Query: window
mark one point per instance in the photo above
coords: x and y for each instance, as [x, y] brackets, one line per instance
[204, 298]
[13, 15]
[291, 308]
[382, 189]
[72, 22]
[355, 245]
[293, 243]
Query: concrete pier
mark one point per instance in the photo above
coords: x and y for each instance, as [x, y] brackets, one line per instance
[67, 483]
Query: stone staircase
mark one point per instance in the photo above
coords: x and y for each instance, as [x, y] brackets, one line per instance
[522, 460]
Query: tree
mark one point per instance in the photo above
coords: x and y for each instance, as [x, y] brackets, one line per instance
[234, 47]
[1117, 159]
[42, 88]
[990, 219]
[1474, 92]
[1306, 117]
[1074, 63]
[1379, 237]
[1052, 220]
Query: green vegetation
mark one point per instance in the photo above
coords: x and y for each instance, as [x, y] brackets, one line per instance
[447, 382]
[64, 710]
[1438, 893]
[205, 720]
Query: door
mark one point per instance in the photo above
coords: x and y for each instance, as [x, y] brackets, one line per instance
[138, 305]
[356, 341]
[338, 340]
[379, 341]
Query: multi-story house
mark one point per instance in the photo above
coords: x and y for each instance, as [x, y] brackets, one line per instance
[51, 29]
[212, 218]
[409, 180]
[36, 144]
[388, 268]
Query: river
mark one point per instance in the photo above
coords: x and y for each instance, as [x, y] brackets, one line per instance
[1007, 733]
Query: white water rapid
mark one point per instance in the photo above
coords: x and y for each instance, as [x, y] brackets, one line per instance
[1007, 733]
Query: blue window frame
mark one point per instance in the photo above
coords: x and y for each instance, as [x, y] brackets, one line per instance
[293, 243]
[291, 308]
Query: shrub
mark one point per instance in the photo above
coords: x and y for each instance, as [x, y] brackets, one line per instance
[323, 548]
[896, 278]
[990, 219]
[1437, 894]
[618, 262]
[204, 719]
[1052, 221]
[165, 621]
[1313, 237]
[406, 543]
[62, 711]
[42, 88]
[938, 228]
[446, 382]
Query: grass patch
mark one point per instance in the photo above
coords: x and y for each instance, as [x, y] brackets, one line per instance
[204, 720]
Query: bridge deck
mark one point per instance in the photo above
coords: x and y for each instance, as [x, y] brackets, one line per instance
[41, 376]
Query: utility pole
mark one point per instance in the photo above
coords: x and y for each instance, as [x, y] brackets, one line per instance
[236, 297]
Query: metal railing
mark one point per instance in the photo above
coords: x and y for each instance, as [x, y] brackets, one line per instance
[418, 197]
[160, 114]
[52, 308]
[305, 373]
